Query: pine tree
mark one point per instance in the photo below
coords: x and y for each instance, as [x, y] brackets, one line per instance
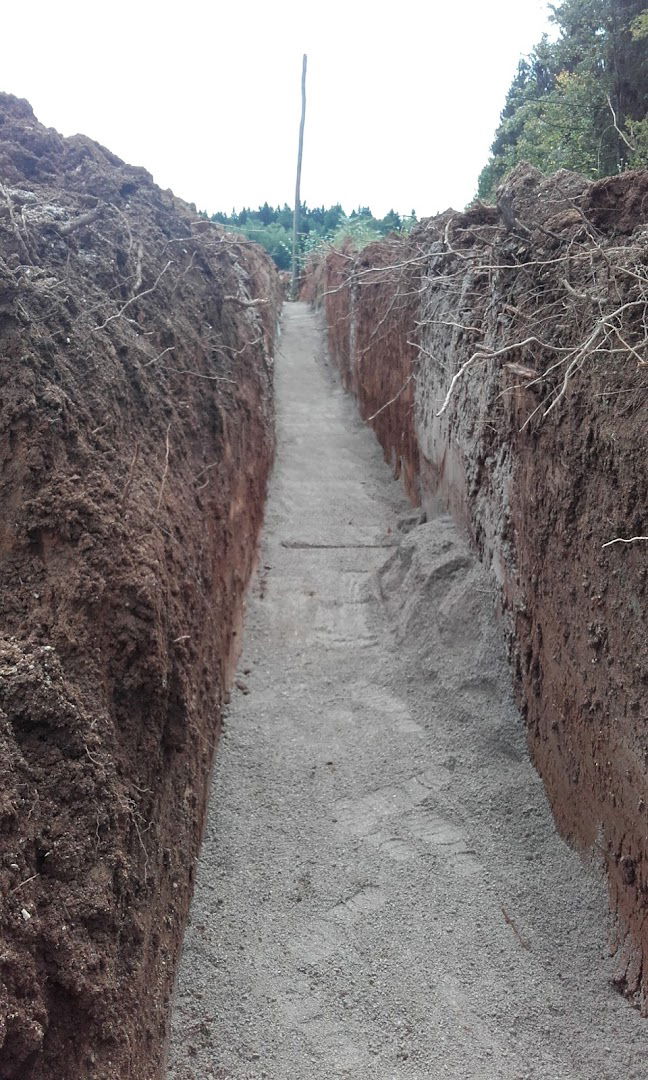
[578, 102]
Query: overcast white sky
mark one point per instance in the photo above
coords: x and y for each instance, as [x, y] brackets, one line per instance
[403, 99]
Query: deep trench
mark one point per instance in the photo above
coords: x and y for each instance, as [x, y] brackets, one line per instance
[381, 890]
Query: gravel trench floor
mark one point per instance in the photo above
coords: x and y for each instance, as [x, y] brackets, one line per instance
[381, 892]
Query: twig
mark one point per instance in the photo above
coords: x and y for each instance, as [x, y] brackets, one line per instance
[202, 472]
[199, 375]
[19, 236]
[620, 540]
[616, 126]
[122, 215]
[132, 300]
[242, 302]
[391, 400]
[138, 265]
[79, 222]
[480, 354]
[509, 921]
[155, 359]
[579, 295]
[25, 882]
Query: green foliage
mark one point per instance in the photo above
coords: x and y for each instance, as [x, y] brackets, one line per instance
[272, 228]
[276, 240]
[359, 231]
[639, 26]
[639, 137]
[580, 102]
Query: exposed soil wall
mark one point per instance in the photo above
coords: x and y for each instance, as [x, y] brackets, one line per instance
[136, 435]
[539, 308]
[366, 320]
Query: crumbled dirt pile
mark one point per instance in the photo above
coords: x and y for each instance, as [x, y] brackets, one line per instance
[136, 435]
[518, 336]
[617, 204]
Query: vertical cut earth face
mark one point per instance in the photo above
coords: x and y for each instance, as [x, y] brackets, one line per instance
[514, 341]
[136, 436]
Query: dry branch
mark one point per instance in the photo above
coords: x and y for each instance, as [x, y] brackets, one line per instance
[68, 227]
[484, 354]
[391, 400]
[14, 224]
[620, 540]
[138, 296]
[243, 302]
[616, 126]
[171, 348]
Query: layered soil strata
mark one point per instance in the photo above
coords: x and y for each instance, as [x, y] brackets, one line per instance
[136, 436]
[513, 341]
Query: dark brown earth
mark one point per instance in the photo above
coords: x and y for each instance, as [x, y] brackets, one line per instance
[618, 203]
[562, 262]
[136, 435]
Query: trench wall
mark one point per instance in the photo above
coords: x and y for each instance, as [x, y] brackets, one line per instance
[136, 436]
[513, 342]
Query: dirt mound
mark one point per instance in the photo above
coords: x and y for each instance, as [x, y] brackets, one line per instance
[619, 204]
[135, 440]
[433, 570]
[507, 347]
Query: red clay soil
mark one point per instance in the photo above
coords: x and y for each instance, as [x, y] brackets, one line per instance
[136, 435]
[539, 494]
[368, 304]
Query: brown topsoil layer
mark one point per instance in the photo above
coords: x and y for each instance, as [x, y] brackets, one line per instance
[539, 306]
[136, 435]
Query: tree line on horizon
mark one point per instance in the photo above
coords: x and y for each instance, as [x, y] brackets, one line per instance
[271, 227]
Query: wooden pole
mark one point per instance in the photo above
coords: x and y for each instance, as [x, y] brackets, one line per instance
[295, 276]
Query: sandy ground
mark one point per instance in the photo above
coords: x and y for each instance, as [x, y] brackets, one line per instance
[381, 892]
